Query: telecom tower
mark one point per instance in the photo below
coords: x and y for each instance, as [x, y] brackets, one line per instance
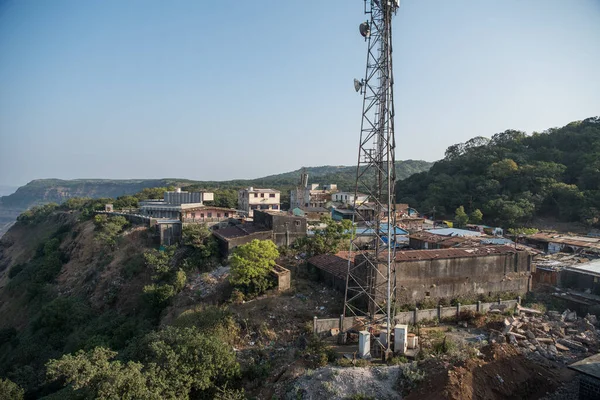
[370, 281]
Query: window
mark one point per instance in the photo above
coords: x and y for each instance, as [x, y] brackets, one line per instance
[255, 194]
[226, 215]
[202, 215]
[427, 294]
[297, 223]
[193, 215]
[271, 194]
[262, 195]
[209, 215]
[218, 215]
[275, 207]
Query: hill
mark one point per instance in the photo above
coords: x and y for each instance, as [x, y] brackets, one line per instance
[44, 191]
[515, 178]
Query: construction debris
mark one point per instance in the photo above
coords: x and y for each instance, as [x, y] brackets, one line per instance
[555, 336]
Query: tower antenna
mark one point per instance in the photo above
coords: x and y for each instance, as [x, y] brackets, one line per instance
[370, 280]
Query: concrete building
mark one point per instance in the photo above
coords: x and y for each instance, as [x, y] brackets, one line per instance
[208, 214]
[555, 243]
[443, 274]
[311, 213]
[348, 198]
[279, 227]
[174, 203]
[251, 199]
[306, 195]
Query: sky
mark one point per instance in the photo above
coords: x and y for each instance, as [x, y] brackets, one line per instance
[216, 90]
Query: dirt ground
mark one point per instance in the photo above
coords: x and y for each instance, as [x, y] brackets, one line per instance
[501, 373]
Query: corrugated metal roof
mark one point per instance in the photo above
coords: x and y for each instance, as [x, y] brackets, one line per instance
[592, 267]
[413, 255]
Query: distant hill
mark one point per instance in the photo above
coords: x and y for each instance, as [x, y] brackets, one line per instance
[515, 178]
[42, 191]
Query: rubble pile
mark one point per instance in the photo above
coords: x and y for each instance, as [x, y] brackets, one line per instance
[554, 336]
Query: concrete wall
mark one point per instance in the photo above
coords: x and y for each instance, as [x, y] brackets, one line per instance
[579, 281]
[461, 277]
[286, 228]
[225, 246]
[322, 325]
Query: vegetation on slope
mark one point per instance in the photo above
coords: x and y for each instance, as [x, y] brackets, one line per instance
[514, 177]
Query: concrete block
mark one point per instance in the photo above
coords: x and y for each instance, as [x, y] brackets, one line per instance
[400, 338]
[364, 344]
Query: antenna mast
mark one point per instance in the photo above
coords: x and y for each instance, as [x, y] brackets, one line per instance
[370, 281]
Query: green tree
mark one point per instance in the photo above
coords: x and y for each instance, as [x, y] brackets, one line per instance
[329, 237]
[10, 390]
[125, 202]
[109, 228]
[522, 231]
[503, 168]
[199, 237]
[476, 217]
[181, 360]
[251, 264]
[460, 217]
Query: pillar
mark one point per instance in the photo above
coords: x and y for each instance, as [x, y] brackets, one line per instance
[457, 310]
[315, 325]
[400, 341]
[439, 312]
[383, 337]
[478, 306]
[519, 300]
[415, 316]
[364, 344]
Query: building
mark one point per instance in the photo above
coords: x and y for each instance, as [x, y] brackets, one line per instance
[207, 214]
[306, 195]
[251, 199]
[443, 274]
[555, 243]
[589, 377]
[285, 228]
[281, 228]
[174, 204]
[311, 213]
[348, 198]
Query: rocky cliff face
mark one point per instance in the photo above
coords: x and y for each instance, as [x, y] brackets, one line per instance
[42, 191]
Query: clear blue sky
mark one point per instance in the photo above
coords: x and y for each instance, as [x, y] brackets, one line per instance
[242, 89]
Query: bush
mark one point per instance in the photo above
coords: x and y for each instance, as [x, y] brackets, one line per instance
[251, 265]
[10, 390]
[14, 271]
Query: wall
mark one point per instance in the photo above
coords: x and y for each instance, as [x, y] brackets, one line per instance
[226, 245]
[461, 277]
[579, 281]
[322, 325]
[286, 228]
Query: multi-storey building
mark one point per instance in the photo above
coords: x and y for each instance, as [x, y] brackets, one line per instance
[251, 199]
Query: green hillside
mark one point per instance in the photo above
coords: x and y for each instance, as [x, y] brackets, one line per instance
[514, 178]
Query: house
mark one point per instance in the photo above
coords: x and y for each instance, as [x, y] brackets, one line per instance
[331, 269]
[306, 195]
[555, 243]
[251, 199]
[348, 198]
[311, 213]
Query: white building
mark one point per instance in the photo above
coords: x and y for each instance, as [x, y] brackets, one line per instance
[251, 199]
[348, 198]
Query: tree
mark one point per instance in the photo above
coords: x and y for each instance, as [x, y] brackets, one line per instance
[10, 390]
[522, 231]
[460, 217]
[199, 237]
[94, 375]
[476, 217]
[328, 238]
[251, 264]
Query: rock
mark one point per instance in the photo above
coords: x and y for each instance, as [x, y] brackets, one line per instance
[572, 345]
[528, 310]
[592, 319]
[552, 349]
[560, 347]
[569, 316]
[529, 335]
[545, 340]
[512, 339]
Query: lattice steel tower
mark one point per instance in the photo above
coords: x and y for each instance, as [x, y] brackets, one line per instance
[370, 281]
